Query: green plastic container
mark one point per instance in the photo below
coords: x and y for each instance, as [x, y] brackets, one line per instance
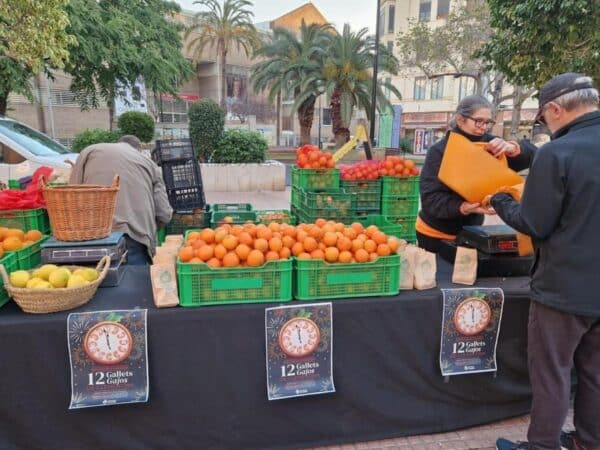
[400, 186]
[296, 197]
[202, 285]
[26, 220]
[161, 235]
[220, 207]
[328, 203]
[10, 265]
[317, 279]
[267, 216]
[399, 206]
[185, 220]
[410, 237]
[232, 217]
[384, 223]
[30, 256]
[368, 194]
[310, 179]
[14, 184]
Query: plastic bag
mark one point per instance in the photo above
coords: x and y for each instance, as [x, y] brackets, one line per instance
[29, 198]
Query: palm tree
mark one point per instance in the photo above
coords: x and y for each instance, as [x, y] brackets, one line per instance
[289, 60]
[223, 27]
[346, 77]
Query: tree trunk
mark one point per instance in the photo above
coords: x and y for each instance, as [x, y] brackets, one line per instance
[278, 122]
[341, 133]
[41, 118]
[306, 114]
[223, 63]
[516, 113]
[111, 108]
[3, 102]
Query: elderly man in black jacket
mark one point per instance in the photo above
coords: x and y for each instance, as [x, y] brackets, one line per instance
[560, 210]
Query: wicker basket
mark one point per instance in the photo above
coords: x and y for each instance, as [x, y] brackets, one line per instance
[81, 212]
[41, 301]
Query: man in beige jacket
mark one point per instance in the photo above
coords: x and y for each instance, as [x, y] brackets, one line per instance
[142, 202]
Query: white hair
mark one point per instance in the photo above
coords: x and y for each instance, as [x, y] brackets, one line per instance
[580, 97]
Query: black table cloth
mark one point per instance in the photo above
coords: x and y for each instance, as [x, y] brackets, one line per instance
[208, 381]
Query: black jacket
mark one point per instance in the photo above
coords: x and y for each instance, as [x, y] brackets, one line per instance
[440, 204]
[560, 210]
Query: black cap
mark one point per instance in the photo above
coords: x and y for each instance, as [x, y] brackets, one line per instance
[560, 85]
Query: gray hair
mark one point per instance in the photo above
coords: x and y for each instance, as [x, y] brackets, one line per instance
[131, 140]
[470, 104]
[578, 98]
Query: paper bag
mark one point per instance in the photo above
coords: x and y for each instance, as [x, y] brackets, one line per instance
[164, 285]
[465, 266]
[472, 172]
[425, 270]
[407, 266]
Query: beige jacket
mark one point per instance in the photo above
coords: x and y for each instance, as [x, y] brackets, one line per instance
[142, 202]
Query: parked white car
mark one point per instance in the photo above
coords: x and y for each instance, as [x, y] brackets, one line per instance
[23, 150]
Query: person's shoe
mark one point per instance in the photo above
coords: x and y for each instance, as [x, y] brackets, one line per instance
[569, 441]
[505, 444]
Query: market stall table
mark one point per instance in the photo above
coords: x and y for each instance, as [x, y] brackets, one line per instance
[207, 376]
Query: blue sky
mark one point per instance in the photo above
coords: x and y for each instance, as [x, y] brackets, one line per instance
[359, 13]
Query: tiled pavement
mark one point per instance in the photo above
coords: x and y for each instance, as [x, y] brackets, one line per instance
[476, 438]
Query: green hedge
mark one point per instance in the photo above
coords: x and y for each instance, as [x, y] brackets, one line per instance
[240, 146]
[207, 122]
[138, 124]
[94, 136]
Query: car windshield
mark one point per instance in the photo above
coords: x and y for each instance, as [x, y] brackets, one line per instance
[37, 143]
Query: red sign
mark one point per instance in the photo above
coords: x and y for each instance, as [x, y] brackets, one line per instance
[186, 97]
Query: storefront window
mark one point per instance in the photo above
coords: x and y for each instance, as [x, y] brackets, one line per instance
[420, 88]
[437, 88]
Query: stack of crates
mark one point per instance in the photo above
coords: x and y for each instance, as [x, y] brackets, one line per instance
[183, 181]
[400, 203]
[181, 174]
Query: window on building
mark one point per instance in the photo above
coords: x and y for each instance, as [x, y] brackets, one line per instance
[391, 18]
[466, 87]
[425, 11]
[420, 88]
[326, 119]
[174, 111]
[437, 88]
[382, 22]
[236, 86]
[390, 46]
[443, 9]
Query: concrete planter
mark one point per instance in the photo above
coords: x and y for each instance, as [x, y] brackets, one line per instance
[269, 176]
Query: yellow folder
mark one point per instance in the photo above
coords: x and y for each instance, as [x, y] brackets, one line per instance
[472, 172]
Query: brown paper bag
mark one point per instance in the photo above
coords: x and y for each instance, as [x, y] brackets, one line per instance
[425, 270]
[164, 285]
[465, 266]
[407, 266]
[174, 239]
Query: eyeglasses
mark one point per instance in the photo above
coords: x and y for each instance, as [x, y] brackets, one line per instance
[540, 116]
[481, 122]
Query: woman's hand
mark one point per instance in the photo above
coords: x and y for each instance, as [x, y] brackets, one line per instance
[467, 208]
[498, 146]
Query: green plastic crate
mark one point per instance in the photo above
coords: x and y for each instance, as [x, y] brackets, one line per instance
[184, 220]
[317, 279]
[160, 236]
[328, 203]
[26, 220]
[399, 206]
[202, 285]
[400, 186]
[410, 237]
[266, 216]
[296, 197]
[368, 194]
[14, 184]
[30, 256]
[310, 179]
[384, 223]
[232, 217]
[220, 207]
[10, 265]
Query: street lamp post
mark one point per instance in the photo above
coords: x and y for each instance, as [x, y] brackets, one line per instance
[375, 70]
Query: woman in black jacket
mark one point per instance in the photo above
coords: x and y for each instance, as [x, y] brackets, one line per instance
[443, 211]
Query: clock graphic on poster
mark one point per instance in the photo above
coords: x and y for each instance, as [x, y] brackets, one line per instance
[108, 343]
[472, 316]
[299, 337]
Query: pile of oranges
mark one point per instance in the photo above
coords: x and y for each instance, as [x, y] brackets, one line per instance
[252, 245]
[395, 166]
[311, 157]
[13, 239]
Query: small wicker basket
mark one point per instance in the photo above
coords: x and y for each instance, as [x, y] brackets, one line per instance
[81, 212]
[41, 301]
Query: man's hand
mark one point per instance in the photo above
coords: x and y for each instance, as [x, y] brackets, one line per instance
[467, 208]
[497, 147]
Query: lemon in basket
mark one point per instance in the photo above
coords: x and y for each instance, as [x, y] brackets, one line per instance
[88, 274]
[59, 278]
[76, 281]
[19, 278]
[45, 271]
[43, 285]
